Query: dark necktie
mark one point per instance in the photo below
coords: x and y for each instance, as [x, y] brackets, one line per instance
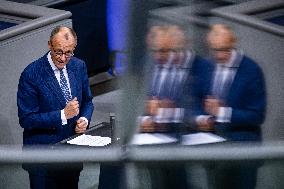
[64, 87]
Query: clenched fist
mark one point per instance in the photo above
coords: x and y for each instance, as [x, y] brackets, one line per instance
[72, 108]
[81, 126]
[152, 106]
[212, 105]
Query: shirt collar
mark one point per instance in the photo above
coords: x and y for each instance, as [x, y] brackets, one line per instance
[184, 63]
[231, 61]
[51, 63]
[188, 59]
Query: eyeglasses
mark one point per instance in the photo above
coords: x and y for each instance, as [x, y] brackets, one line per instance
[166, 50]
[67, 54]
[222, 50]
[60, 53]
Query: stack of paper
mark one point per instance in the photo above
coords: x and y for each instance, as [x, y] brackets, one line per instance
[156, 138]
[201, 138]
[89, 140]
[190, 139]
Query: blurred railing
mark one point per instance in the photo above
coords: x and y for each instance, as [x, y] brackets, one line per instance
[153, 153]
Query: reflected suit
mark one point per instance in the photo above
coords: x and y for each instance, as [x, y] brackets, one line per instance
[178, 90]
[245, 94]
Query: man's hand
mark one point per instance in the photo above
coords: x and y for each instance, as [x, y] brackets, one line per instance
[81, 126]
[147, 126]
[205, 124]
[71, 109]
[167, 103]
[212, 105]
[152, 106]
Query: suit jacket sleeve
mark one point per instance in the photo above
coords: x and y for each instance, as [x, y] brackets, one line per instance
[250, 110]
[30, 115]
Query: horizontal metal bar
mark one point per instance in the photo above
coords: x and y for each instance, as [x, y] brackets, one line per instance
[149, 153]
[241, 13]
[51, 154]
[229, 152]
[40, 17]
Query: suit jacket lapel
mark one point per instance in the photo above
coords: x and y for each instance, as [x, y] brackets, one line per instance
[237, 77]
[210, 80]
[52, 82]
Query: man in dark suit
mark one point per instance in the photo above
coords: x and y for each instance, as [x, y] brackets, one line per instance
[174, 67]
[54, 102]
[230, 101]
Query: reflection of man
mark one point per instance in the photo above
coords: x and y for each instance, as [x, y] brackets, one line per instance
[54, 103]
[173, 68]
[232, 98]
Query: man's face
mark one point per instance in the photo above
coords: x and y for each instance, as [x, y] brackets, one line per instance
[61, 49]
[163, 47]
[221, 48]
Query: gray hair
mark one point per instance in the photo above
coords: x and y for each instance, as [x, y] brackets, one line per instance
[57, 29]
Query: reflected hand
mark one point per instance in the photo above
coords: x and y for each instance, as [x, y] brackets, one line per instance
[147, 126]
[166, 103]
[212, 105]
[152, 106]
[206, 124]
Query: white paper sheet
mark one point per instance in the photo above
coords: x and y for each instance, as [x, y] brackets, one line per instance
[89, 140]
[155, 138]
[201, 138]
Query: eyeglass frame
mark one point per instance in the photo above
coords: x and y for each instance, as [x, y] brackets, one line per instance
[61, 53]
[167, 50]
[223, 50]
